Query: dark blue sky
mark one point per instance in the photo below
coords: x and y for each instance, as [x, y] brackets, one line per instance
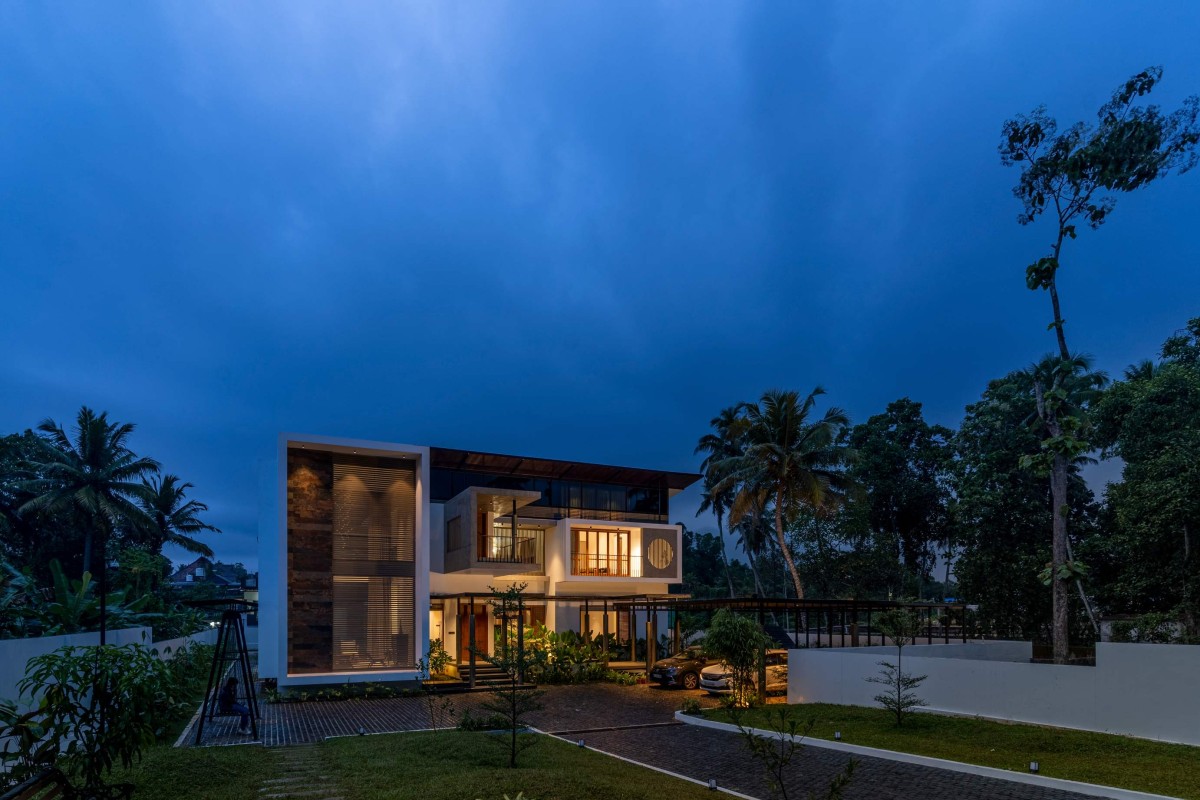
[564, 230]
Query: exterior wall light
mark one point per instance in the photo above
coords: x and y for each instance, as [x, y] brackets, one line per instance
[1034, 767]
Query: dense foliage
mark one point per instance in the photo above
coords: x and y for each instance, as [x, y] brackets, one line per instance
[72, 502]
[923, 503]
[97, 708]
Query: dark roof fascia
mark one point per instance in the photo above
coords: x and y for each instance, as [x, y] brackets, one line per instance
[496, 463]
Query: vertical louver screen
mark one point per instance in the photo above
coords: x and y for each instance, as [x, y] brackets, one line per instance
[374, 517]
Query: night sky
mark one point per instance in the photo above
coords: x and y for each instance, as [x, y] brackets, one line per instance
[554, 229]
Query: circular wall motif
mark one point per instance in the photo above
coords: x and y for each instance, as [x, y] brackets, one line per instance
[660, 553]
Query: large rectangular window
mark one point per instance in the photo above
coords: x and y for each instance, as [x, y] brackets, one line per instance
[598, 552]
[374, 519]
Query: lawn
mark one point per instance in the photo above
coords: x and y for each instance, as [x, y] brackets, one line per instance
[449, 765]
[202, 773]
[1120, 761]
[452, 765]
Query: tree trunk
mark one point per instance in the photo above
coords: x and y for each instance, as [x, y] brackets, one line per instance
[87, 551]
[1060, 631]
[724, 555]
[783, 548]
[758, 589]
[1190, 625]
[1063, 352]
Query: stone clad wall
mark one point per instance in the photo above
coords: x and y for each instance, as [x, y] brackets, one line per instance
[310, 561]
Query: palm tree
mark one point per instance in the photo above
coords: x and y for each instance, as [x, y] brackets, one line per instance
[752, 536]
[93, 473]
[174, 520]
[788, 462]
[725, 442]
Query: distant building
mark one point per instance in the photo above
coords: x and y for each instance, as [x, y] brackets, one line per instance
[226, 579]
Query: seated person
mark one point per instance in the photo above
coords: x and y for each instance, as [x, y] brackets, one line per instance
[227, 704]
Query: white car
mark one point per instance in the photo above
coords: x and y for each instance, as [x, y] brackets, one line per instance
[717, 679]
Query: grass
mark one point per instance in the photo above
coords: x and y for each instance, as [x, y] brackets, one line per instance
[1121, 761]
[453, 765]
[201, 773]
[443, 765]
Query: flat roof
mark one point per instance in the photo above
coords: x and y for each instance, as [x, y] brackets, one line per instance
[495, 463]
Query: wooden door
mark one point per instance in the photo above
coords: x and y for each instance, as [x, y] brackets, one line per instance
[464, 632]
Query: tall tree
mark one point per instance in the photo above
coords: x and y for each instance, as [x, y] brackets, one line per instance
[173, 518]
[93, 472]
[902, 463]
[1002, 510]
[725, 441]
[1074, 174]
[1063, 390]
[752, 534]
[1151, 420]
[790, 461]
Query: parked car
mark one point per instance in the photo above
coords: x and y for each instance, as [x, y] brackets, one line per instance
[717, 678]
[681, 669]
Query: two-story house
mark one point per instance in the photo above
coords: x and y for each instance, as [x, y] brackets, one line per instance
[368, 550]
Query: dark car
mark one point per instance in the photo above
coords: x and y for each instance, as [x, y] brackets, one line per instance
[681, 669]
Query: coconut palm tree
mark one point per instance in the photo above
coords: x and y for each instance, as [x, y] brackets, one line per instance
[752, 536]
[173, 519]
[724, 442]
[789, 461]
[91, 472]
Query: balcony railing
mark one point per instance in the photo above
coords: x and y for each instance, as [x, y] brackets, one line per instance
[606, 566]
[501, 547]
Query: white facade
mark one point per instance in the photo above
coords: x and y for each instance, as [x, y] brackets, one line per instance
[273, 557]
[575, 568]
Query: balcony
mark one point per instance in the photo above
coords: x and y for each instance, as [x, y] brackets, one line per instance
[628, 553]
[598, 565]
[500, 546]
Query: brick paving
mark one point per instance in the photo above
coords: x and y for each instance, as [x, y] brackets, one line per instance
[603, 705]
[703, 753]
[567, 708]
[284, 724]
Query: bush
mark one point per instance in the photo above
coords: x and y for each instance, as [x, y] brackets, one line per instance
[492, 722]
[621, 678]
[438, 659]
[690, 706]
[739, 642]
[347, 691]
[97, 707]
[1153, 628]
[565, 657]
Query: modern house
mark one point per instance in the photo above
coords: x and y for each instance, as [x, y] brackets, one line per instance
[368, 550]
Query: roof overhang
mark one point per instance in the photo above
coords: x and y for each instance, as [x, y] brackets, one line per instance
[494, 463]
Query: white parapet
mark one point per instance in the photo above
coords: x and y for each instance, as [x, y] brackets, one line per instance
[1145, 690]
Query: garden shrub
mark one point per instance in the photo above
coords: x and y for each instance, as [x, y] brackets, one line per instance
[97, 707]
[739, 642]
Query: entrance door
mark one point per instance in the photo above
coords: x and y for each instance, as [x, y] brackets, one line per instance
[464, 631]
